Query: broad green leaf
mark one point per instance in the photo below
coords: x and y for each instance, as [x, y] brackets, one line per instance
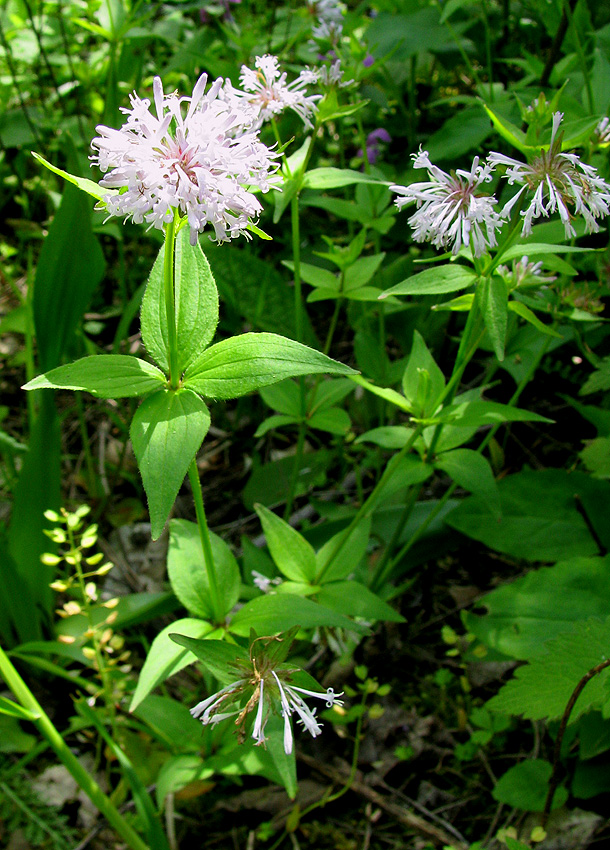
[217, 656]
[279, 420]
[355, 600]
[326, 394]
[523, 615]
[12, 737]
[284, 397]
[526, 785]
[333, 420]
[423, 381]
[334, 178]
[403, 473]
[470, 470]
[245, 363]
[492, 295]
[293, 555]
[196, 304]
[316, 275]
[103, 375]
[535, 249]
[474, 414]
[386, 436]
[435, 281]
[88, 186]
[270, 614]
[362, 271]
[521, 310]
[323, 293]
[188, 575]
[180, 771]
[171, 720]
[540, 517]
[345, 554]
[542, 688]
[167, 431]
[598, 381]
[165, 657]
[365, 293]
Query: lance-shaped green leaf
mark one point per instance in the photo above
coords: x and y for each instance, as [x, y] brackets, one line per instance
[196, 300]
[245, 363]
[88, 186]
[492, 295]
[275, 613]
[189, 576]
[217, 656]
[293, 555]
[167, 430]
[334, 178]
[423, 381]
[103, 375]
[512, 134]
[472, 471]
[435, 281]
[529, 316]
[474, 414]
[166, 657]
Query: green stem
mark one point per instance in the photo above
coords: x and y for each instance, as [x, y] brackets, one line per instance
[296, 466]
[296, 259]
[170, 300]
[206, 544]
[471, 337]
[74, 767]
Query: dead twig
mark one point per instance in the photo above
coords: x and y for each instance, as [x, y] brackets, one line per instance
[400, 814]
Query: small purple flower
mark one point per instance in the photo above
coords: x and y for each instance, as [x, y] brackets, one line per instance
[374, 141]
[368, 61]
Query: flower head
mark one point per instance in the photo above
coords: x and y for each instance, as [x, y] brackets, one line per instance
[525, 272]
[202, 164]
[267, 685]
[328, 76]
[451, 208]
[266, 92]
[601, 133]
[330, 19]
[560, 182]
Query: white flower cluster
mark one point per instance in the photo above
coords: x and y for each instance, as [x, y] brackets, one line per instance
[328, 76]
[203, 164]
[329, 16]
[266, 93]
[267, 689]
[451, 209]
